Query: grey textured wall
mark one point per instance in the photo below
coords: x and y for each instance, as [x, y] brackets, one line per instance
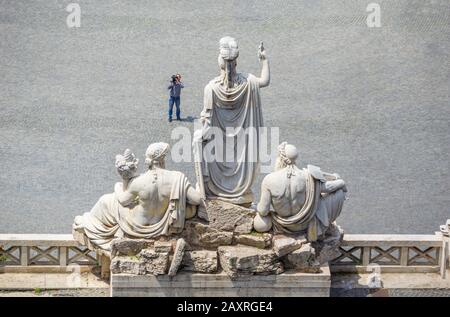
[369, 103]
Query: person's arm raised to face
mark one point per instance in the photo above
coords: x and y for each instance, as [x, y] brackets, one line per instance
[179, 81]
[264, 80]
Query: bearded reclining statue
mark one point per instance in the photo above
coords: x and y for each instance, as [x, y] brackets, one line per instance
[155, 203]
[304, 201]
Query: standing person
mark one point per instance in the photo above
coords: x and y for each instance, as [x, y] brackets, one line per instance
[175, 87]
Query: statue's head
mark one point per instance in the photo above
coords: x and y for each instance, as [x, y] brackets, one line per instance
[228, 54]
[287, 155]
[127, 164]
[228, 50]
[155, 155]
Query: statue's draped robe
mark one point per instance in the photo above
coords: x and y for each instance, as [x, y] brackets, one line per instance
[238, 108]
[108, 219]
[316, 215]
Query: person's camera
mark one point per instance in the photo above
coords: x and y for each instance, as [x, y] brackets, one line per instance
[174, 78]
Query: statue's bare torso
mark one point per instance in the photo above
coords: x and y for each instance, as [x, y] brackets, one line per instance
[152, 191]
[287, 194]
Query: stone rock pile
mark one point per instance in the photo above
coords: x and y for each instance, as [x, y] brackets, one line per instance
[220, 238]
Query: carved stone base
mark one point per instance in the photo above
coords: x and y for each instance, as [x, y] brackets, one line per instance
[224, 244]
[186, 284]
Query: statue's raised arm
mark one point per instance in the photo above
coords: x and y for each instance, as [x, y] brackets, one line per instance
[264, 79]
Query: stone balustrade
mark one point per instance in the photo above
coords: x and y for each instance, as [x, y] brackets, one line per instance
[43, 253]
[392, 253]
[359, 253]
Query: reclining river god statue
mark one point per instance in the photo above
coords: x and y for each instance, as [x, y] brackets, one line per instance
[144, 206]
[303, 200]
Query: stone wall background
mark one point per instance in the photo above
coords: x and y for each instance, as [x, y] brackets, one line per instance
[370, 104]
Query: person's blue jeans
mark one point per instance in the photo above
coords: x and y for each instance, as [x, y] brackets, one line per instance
[176, 101]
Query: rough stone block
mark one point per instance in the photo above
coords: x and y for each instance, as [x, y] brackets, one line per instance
[257, 240]
[163, 246]
[302, 260]
[238, 260]
[201, 261]
[128, 265]
[327, 249]
[156, 263]
[283, 245]
[327, 253]
[146, 262]
[228, 217]
[177, 257]
[200, 234]
[129, 246]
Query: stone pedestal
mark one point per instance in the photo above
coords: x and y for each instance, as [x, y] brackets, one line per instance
[188, 284]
